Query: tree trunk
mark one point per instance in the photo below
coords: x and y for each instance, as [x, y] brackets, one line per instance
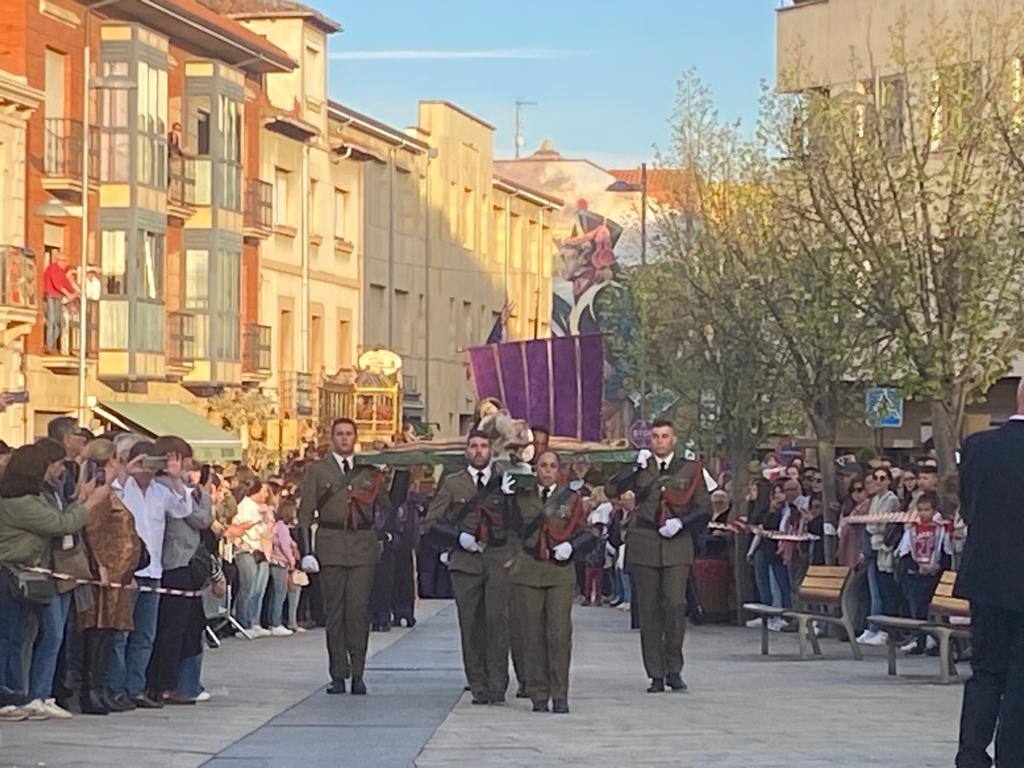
[740, 448]
[825, 434]
[946, 424]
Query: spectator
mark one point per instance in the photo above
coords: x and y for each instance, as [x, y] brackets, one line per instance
[28, 522]
[908, 490]
[594, 562]
[57, 291]
[283, 563]
[878, 551]
[925, 551]
[849, 554]
[251, 559]
[64, 430]
[151, 504]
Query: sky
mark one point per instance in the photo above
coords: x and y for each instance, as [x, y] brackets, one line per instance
[603, 72]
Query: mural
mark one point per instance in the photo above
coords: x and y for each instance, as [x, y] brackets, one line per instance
[589, 297]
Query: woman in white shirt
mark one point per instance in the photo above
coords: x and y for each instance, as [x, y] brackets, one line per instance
[251, 560]
[879, 556]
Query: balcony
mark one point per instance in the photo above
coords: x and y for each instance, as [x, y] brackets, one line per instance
[18, 304]
[258, 219]
[64, 359]
[62, 156]
[181, 187]
[256, 352]
[181, 342]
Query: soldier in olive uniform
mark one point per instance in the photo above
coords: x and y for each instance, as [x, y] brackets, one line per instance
[347, 549]
[668, 500]
[554, 529]
[471, 506]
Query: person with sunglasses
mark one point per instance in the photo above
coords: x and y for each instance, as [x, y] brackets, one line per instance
[879, 556]
[909, 492]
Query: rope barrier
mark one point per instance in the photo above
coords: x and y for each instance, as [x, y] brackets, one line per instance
[113, 584]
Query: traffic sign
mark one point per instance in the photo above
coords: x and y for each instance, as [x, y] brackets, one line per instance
[640, 434]
[883, 408]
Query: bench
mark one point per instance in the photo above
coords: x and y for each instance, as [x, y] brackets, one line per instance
[824, 590]
[943, 609]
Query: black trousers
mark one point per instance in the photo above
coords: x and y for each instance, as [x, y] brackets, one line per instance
[995, 693]
[179, 632]
[403, 590]
[95, 656]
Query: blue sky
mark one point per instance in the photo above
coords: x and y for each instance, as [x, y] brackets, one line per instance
[603, 72]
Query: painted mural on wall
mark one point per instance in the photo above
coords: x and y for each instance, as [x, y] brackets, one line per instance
[590, 297]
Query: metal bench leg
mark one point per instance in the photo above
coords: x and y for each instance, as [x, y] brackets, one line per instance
[764, 635]
[803, 626]
[891, 646]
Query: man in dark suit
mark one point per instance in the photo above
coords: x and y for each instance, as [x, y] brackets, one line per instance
[992, 578]
[668, 502]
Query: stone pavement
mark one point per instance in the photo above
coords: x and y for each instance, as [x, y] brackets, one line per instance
[269, 709]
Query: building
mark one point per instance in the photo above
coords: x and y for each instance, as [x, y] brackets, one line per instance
[18, 294]
[169, 135]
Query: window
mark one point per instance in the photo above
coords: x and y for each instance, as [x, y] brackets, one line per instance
[892, 107]
[285, 356]
[115, 141]
[227, 330]
[955, 93]
[280, 196]
[316, 343]
[344, 344]
[202, 129]
[113, 263]
[152, 125]
[197, 280]
[151, 266]
[230, 123]
[55, 74]
[340, 201]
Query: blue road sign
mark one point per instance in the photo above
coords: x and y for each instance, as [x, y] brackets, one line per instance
[883, 408]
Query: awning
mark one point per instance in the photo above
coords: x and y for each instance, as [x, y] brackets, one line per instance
[209, 444]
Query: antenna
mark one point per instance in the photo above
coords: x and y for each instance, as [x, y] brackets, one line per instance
[518, 133]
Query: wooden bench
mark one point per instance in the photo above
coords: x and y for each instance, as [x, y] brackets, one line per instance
[942, 610]
[824, 590]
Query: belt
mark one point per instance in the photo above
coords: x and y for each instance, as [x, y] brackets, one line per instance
[344, 527]
[645, 523]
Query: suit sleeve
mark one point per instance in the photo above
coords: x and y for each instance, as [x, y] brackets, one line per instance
[307, 504]
[968, 479]
[438, 508]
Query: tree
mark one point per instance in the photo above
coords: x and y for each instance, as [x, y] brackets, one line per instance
[913, 195]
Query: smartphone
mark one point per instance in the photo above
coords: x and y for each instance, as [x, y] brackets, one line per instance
[204, 475]
[17, 397]
[100, 477]
[155, 463]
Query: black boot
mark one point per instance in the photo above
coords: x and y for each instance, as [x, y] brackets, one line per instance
[675, 682]
[95, 652]
[358, 686]
[657, 685]
[92, 702]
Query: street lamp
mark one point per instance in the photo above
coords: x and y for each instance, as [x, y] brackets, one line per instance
[624, 186]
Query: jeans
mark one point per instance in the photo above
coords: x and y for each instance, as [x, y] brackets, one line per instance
[189, 676]
[875, 589]
[252, 582]
[623, 582]
[279, 576]
[762, 576]
[52, 619]
[294, 594]
[130, 654]
[780, 573]
[12, 630]
[918, 590]
[53, 309]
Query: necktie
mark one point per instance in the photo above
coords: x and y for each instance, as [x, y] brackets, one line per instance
[345, 467]
[664, 466]
[544, 494]
[480, 479]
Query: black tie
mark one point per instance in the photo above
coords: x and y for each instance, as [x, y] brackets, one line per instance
[664, 466]
[479, 480]
[544, 493]
[345, 466]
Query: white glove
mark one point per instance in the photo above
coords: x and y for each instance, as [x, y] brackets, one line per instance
[445, 557]
[562, 552]
[643, 457]
[508, 484]
[671, 527]
[468, 542]
[310, 564]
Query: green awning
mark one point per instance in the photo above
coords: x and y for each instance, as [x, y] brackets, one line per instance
[209, 444]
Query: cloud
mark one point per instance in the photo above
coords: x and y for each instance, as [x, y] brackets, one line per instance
[440, 55]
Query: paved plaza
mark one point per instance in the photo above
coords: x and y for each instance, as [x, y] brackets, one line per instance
[269, 709]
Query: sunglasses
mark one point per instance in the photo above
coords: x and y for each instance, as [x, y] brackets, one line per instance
[879, 478]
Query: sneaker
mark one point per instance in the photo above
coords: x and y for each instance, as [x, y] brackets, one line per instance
[624, 607]
[35, 710]
[203, 696]
[819, 628]
[280, 632]
[909, 647]
[865, 636]
[879, 638]
[258, 631]
[754, 623]
[12, 714]
[55, 711]
[776, 624]
[931, 643]
[297, 629]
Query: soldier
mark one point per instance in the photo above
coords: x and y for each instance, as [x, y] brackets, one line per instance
[667, 501]
[554, 530]
[471, 508]
[347, 549]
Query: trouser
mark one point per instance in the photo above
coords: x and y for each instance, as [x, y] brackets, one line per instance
[96, 658]
[661, 592]
[52, 619]
[516, 639]
[294, 595]
[53, 310]
[279, 580]
[131, 651]
[483, 604]
[403, 593]
[995, 692]
[179, 631]
[918, 590]
[545, 614]
[252, 583]
[189, 675]
[346, 591]
[12, 633]
[592, 576]
[380, 591]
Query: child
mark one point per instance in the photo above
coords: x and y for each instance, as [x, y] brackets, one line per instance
[282, 563]
[924, 551]
[593, 563]
[297, 579]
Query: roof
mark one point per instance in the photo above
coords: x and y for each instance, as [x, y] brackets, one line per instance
[209, 444]
[270, 9]
[458, 109]
[254, 52]
[543, 197]
[666, 185]
[383, 131]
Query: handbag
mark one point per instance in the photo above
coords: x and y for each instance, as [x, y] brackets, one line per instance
[200, 567]
[30, 588]
[74, 562]
[300, 579]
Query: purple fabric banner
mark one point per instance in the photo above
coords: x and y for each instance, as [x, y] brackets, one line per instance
[557, 383]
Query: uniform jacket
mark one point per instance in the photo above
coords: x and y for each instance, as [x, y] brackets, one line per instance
[535, 566]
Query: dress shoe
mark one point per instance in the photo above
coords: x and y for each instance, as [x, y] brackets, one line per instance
[497, 697]
[92, 703]
[120, 703]
[657, 685]
[144, 702]
[482, 698]
[521, 693]
[675, 682]
[560, 707]
[336, 686]
[358, 686]
[540, 706]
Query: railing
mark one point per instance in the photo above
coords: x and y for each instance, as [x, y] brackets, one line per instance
[62, 154]
[181, 187]
[68, 344]
[256, 348]
[17, 277]
[181, 338]
[259, 204]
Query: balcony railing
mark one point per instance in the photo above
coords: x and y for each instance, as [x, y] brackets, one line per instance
[181, 338]
[256, 349]
[181, 188]
[62, 156]
[259, 205]
[17, 277]
[68, 343]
